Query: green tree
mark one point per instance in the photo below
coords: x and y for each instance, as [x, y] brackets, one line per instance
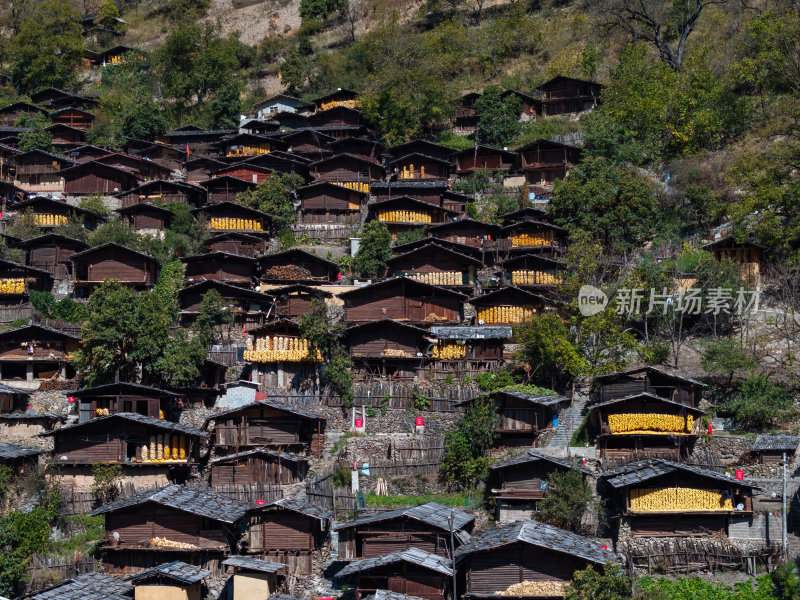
[213, 315]
[37, 138]
[568, 501]
[374, 250]
[726, 357]
[759, 403]
[600, 583]
[226, 107]
[547, 346]
[294, 71]
[25, 226]
[274, 196]
[320, 9]
[324, 340]
[48, 47]
[107, 13]
[95, 204]
[106, 485]
[607, 200]
[498, 117]
[464, 461]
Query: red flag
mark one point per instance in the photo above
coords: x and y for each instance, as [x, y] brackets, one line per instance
[187, 150]
[709, 428]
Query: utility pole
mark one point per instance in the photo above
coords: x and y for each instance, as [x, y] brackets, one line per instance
[451, 522]
[783, 512]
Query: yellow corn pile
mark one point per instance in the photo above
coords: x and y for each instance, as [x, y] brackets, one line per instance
[527, 239]
[442, 278]
[677, 499]
[226, 223]
[396, 352]
[158, 542]
[403, 216]
[534, 588]
[248, 150]
[505, 314]
[535, 278]
[627, 423]
[102, 412]
[45, 220]
[12, 286]
[449, 350]
[355, 104]
[164, 448]
[358, 186]
[278, 349]
[161, 414]
[121, 59]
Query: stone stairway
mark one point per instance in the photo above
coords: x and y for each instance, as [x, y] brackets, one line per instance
[331, 437]
[569, 421]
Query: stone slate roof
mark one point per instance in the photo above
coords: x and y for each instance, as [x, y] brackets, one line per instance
[197, 502]
[658, 370]
[414, 556]
[262, 452]
[22, 416]
[4, 389]
[298, 506]
[538, 400]
[137, 418]
[788, 443]
[89, 586]
[536, 534]
[431, 513]
[533, 456]
[284, 597]
[644, 470]
[177, 570]
[649, 396]
[254, 564]
[387, 595]
[9, 450]
[267, 402]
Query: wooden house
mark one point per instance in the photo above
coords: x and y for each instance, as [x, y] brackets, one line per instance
[419, 166]
[420, 147]
[252, 578]
[435, 264]
[35, 353]
[247, 144]
[534, 270]
[644, 425]
[74, 117]
[49, 213]
[653, 380]
[225, 188]
[66, 137]
[259, 466]
[13, 400]
[87, 152]
[520, 483]
[411, 571]
[220, 266]
[11, 113]
[294, 301]
[324, 205]
[522, 418]
[276, 104]
[174, 580]
[199, 169]
[288, 121]
[16, 282]
[165, 156]
[533, 237]
[386, 349]
[142, 168]
[270, 424]
[288, 531]
[226, 216]
[507, 306]
[403, 213]
[234, 242]
[485, 157]
[281, 358]
[17, 422]
[308, 142]
[336, 116]
[427, 190]
[660, 498]
[280, 162]
[122, 397]
[93, 177]
[466, 120]
[18, 458]
[163, 192]
[467, 350]
[563, 95]
[200, 142]
[146, 218]
[298, 266]
[115, 55]
[405, 300]
[111, 261]
[365, 148]
[771, 449]
[544, 161]
[529, 213]
[529, 106]
[340, 97]
[468, 232]
[141, 530]
[49, 96]
[746, 255]
[543, 556]
[37, 171]
[150, 451]
[455, 202]
[425, 527]
[244, 171]
[347, 170]
[248, 308]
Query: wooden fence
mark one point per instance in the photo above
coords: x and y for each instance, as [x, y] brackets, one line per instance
[688, 555]
[44, 571]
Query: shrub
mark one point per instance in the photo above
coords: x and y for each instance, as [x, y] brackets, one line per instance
[569, 498]
[759, 403]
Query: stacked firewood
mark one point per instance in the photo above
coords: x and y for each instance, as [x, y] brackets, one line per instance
[291, 272]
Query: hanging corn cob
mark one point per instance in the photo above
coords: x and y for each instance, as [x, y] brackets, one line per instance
[678, 499]
[448, 350]
[279, 349]
[644, 422]
[506, 314]
[527, 239]
[535, 278]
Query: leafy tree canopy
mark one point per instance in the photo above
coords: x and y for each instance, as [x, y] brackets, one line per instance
[498, 117]
[274, 196]
[374, 250]
[569, 499]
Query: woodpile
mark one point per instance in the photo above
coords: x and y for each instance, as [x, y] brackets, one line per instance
[226, 223]
[434, 318]
[451, 349]
[12, 286]
[505, 314]
[534, 588]
[290, 272]
[678, 499]
[441, 278]
[404, 216]
[159, 542]
[535, 278]
[645, 423]
[49, 220]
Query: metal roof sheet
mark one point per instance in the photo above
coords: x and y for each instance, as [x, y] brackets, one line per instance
[299, 506]
[649, 396]
[533, 456]
[260, 451]
[471, 333]
[645, 470]
[137, 418]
